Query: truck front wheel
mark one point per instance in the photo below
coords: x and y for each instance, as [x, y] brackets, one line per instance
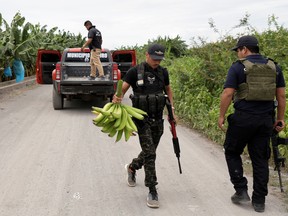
[58, 100]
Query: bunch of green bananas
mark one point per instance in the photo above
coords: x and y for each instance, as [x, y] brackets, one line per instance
[116, 118]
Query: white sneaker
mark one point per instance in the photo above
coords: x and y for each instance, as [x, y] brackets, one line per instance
[131, 180]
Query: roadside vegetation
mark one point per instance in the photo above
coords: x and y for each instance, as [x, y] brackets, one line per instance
[20, 40]
[197, 71]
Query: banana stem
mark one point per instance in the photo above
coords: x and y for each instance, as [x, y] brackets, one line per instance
[119, 88]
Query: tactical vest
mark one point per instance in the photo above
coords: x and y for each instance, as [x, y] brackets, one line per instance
[148, 94]
[260, 82]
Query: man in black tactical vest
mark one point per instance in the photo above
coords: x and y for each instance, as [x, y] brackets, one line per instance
[150, 83]
[253, 83]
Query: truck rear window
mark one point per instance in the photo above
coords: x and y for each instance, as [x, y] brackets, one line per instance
[84, 57]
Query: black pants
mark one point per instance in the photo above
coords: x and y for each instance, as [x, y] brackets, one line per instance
[255, 132]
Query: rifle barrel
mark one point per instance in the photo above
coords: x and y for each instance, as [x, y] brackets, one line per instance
[180, 169]
[280, 180]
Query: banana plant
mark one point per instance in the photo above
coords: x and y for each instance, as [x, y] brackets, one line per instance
[5, 56]
[17, 42]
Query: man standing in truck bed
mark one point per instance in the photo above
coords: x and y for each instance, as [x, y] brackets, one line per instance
[94, 42]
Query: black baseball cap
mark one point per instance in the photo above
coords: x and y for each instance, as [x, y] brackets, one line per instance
[156, 51]
[246, 41]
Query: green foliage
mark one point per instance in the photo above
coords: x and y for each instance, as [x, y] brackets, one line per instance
[274, 42]
[174, 48]
[197, 79]
[21, 40]
[194, 102]
[216, 59]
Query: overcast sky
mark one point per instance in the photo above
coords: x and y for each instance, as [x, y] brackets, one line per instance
[134, 22]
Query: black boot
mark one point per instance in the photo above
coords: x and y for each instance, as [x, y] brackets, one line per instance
[240, 197]
[258, 207]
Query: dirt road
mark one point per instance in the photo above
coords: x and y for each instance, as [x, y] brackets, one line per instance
[57, 163]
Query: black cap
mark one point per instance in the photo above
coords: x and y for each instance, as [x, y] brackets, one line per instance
[156, 51]
[246, 41]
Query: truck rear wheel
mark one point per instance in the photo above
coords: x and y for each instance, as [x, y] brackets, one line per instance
[58, 100]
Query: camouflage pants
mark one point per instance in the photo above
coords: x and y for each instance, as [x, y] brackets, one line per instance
[149, 133]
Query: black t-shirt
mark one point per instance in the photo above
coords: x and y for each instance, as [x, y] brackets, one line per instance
[96, 36]
[236, 76]
[131, 76]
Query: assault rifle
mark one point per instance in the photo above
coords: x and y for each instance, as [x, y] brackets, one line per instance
[173, 131]
[279, 161]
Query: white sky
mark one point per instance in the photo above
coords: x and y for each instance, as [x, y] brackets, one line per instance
[134, 22]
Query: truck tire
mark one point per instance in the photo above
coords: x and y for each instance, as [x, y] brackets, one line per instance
[58, 100]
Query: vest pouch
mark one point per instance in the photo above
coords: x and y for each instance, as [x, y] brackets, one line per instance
[135, 100]
[161, 102]
[261, 91]
[242, 91]
[142, 104]
[152, 104]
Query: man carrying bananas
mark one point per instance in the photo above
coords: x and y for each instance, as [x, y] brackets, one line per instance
[150, 83]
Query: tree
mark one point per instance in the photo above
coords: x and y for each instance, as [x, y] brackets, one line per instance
[16, 43]
[175, 47]
[20, 41]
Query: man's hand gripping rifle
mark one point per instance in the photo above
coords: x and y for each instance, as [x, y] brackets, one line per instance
[173, 131]
[279, 161]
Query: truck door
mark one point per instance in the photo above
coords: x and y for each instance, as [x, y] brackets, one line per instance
[45, 64]
[125, 59]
